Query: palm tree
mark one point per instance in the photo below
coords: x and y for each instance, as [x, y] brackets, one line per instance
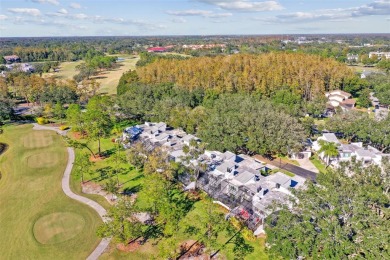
[329, 149]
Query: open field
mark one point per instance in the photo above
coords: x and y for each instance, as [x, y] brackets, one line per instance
[108, 79]
[67, 71]
[37, 220]
[360, 68]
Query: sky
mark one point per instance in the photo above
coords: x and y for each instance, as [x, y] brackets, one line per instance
[29, 18]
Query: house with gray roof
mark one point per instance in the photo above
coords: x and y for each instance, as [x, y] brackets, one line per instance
[235, 181]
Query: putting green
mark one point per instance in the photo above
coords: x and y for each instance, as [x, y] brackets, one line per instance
[37, 139]
[58, 227]
[43, 160]
[38, 221]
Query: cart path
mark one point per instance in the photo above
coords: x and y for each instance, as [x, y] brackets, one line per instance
[68, 192]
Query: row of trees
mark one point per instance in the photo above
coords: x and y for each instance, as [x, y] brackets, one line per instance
[92, 64]
[357, 126]
[35, 89]
[236, 122]
[306, 75]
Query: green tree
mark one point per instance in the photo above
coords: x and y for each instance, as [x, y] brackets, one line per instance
[97, 119]
[341, 217]
[59, 111]
[137, 155]
[329, 149]
[111, 186]
[122, 225]
[83, 165]
[75, 118]
[364, 98]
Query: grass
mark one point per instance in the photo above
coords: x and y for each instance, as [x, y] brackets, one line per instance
[288, 160]
[150, 250]
[318, 164]
[67, 70]
[132, 179]
[129, 178]
[360, 68]
[38, 221]
[108, 79]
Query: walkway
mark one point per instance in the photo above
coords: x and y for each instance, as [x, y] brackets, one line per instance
[68, 192]
[289, 167]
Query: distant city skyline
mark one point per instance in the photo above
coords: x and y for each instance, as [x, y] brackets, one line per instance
[31, 18]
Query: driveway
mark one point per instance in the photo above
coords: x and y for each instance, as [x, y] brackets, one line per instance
[289, 167]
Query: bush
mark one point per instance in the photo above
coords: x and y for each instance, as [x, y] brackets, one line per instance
[64, 127]
[248, 234]
[236, 223]
[42, 121]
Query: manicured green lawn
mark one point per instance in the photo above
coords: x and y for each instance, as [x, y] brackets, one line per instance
[108, 79]
[318, 164]
[38, 221]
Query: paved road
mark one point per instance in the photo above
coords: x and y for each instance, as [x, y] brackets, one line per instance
[289, 167]
[68, 192]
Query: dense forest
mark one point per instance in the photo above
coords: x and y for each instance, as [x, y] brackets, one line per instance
[306, 75]
[345, 217]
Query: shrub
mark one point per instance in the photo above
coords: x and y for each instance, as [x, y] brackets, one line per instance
[236, 223]
[64, 127]
[42, 120]
[248, 234]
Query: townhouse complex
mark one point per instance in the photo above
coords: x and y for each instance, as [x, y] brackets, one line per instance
[240, 183]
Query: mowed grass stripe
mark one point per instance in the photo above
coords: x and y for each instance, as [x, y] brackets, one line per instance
[37, 220]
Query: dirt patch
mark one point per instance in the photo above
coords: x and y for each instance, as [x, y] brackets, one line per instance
[94, 188]
[96, 158]
[193, 250]
[131, 247]
[3, 148]
[77, 135]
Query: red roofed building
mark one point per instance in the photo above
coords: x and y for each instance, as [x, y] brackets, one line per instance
[157, 49]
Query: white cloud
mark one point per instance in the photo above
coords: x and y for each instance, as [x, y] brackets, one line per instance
[245, 5]
[75, 5]
[53, 2]
[27, 11]
[178, 20]
[202, 13]
[379, 7]
[63, 11]
[79, 16]
[3, 17]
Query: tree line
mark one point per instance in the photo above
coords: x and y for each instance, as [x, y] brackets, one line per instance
[236, 122]
[306, 75]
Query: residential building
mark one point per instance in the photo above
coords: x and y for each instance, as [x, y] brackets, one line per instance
[339, 98]
[352, 57]
[238, 182]
[11, 59]
[24, 67]
[379, 54]
[367, 155]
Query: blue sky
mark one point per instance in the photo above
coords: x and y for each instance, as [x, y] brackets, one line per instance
[191, 17]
